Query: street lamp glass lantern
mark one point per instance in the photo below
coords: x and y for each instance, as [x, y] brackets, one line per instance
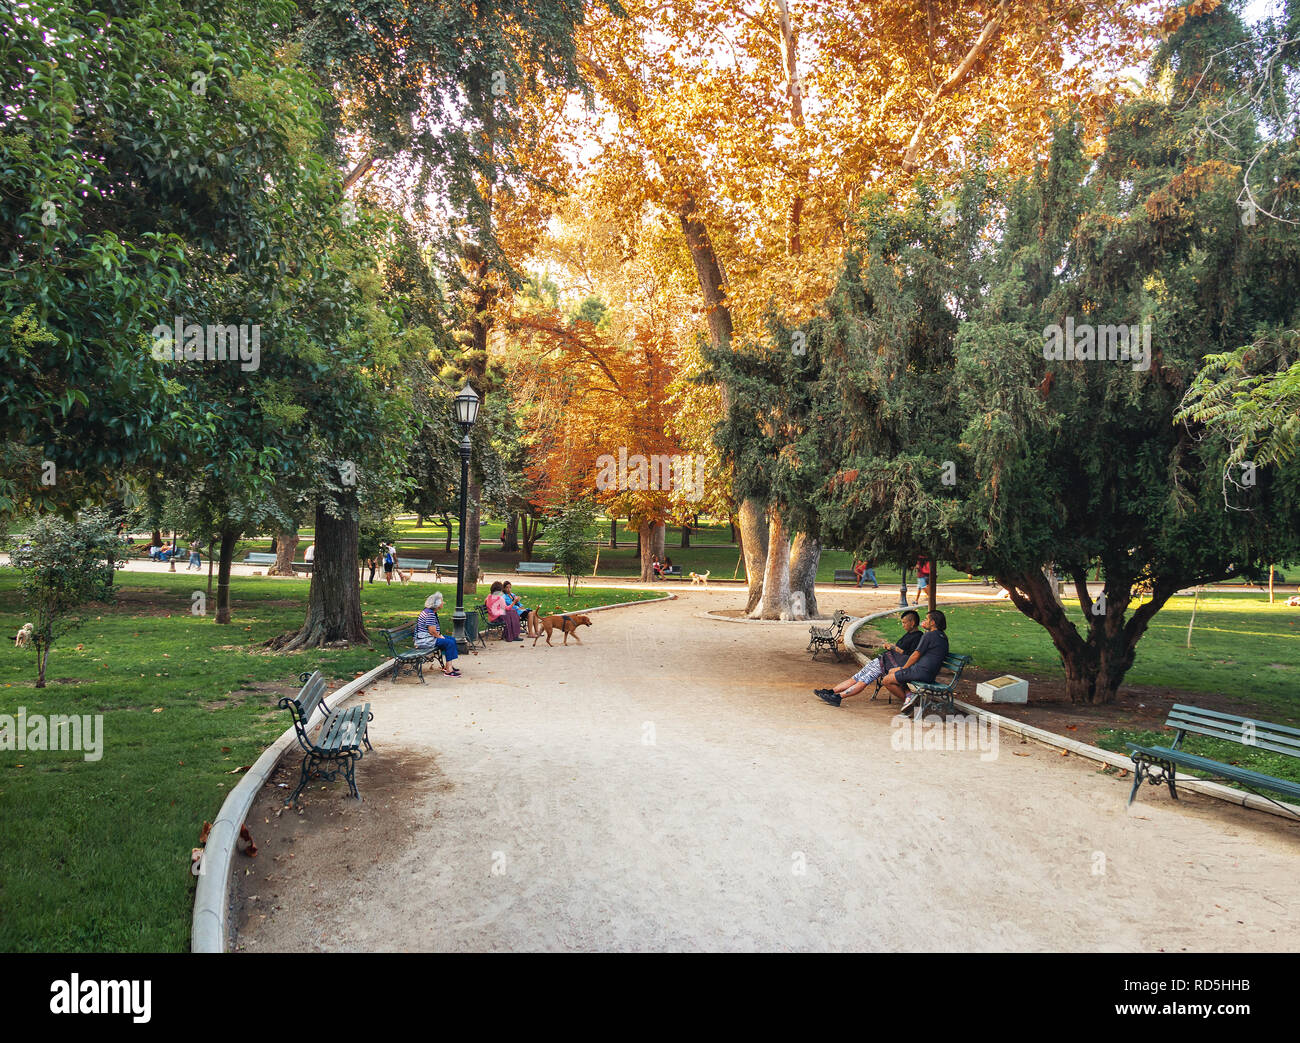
[467, 403]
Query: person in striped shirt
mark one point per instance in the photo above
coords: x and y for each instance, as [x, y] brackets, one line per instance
[429, 635]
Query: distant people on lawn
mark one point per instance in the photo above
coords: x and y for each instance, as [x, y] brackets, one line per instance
[921, 666]
[864, 571]
[892, 656]
[499, 609]
[429, 635]
[195, 562]
[390, 561]
[310, 554]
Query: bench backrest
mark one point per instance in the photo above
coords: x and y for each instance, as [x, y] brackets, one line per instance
[535, 566]
[305, 703]
[260, 558]
[1247, 731]
[845, 574]
[398, 636]
[954, 664]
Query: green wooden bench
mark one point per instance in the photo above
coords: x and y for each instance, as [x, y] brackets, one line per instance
[540, 568]
[445, 570]
[846, 576]
[828, 637]
[409, 564]
[402, 650]
[939, 693]
[1245, 731]
[338, 742]
[263, 558]
[486, 624]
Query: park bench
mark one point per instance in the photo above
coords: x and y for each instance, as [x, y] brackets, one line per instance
[937, 692]
[846, 576]
[1245, 731]
[541, 568]
[264, 558]
[486, 625]
[338, 742]
[828, 637]
[411, 564]
[401, 647]
[451, 571]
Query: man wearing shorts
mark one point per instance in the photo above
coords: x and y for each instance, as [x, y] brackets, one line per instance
[923, 664]
[892, 656]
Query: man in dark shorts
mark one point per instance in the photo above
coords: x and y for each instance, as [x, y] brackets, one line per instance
[892, 656]
[924, 663]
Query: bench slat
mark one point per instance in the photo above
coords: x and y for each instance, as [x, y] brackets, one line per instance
[1228, 771]
[1197, 711]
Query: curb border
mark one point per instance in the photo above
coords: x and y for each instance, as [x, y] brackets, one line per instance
[208, 929]
[208, 932]
[1108, 757]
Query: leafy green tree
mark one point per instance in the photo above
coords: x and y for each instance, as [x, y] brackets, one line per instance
[938, 419]
[569, 533]
[63, 566]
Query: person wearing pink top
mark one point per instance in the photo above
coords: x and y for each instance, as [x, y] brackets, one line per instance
[498, 608]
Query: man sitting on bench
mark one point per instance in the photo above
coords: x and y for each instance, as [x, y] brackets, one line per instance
[923, 664]
[891, 657]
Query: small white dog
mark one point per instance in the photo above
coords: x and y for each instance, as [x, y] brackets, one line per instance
[701, 578]
[24, 637]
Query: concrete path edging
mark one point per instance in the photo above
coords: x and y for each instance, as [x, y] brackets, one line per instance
[208, 931]
[1095, 753]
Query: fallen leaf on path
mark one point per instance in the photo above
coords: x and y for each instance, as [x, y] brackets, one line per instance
[203, 835]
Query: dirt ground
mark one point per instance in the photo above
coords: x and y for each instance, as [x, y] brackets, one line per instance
[673, 784]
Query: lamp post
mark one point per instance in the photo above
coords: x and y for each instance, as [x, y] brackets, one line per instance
[467, 403]
[902, 590]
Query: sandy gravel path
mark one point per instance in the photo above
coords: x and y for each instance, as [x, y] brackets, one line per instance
[673, 784]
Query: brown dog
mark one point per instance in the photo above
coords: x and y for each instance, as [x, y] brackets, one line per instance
[568, 624]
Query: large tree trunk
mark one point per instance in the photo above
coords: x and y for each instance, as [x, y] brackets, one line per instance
[334, 604]
[1095, 667]
[658, 539]
[446, 521]
[805, 556]
[613, 533]
[228, 539]
[530, 527]
[650, 545]
[512, 534]
[285, 548]
[776, 578]
[753, 544]
[686, 534]
[473, 532]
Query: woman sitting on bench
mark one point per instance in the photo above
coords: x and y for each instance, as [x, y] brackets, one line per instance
[893, 656]
[531, 627]
[499, 609]
[428, 634]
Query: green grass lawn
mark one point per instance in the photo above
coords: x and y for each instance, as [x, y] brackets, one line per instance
[1242, 647]
[94, 855]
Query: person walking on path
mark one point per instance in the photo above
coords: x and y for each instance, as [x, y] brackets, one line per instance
[194, 562]
[865, 571]
[922, 576]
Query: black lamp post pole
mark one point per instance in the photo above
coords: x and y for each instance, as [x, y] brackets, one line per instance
[902, 590]
[458, 618]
